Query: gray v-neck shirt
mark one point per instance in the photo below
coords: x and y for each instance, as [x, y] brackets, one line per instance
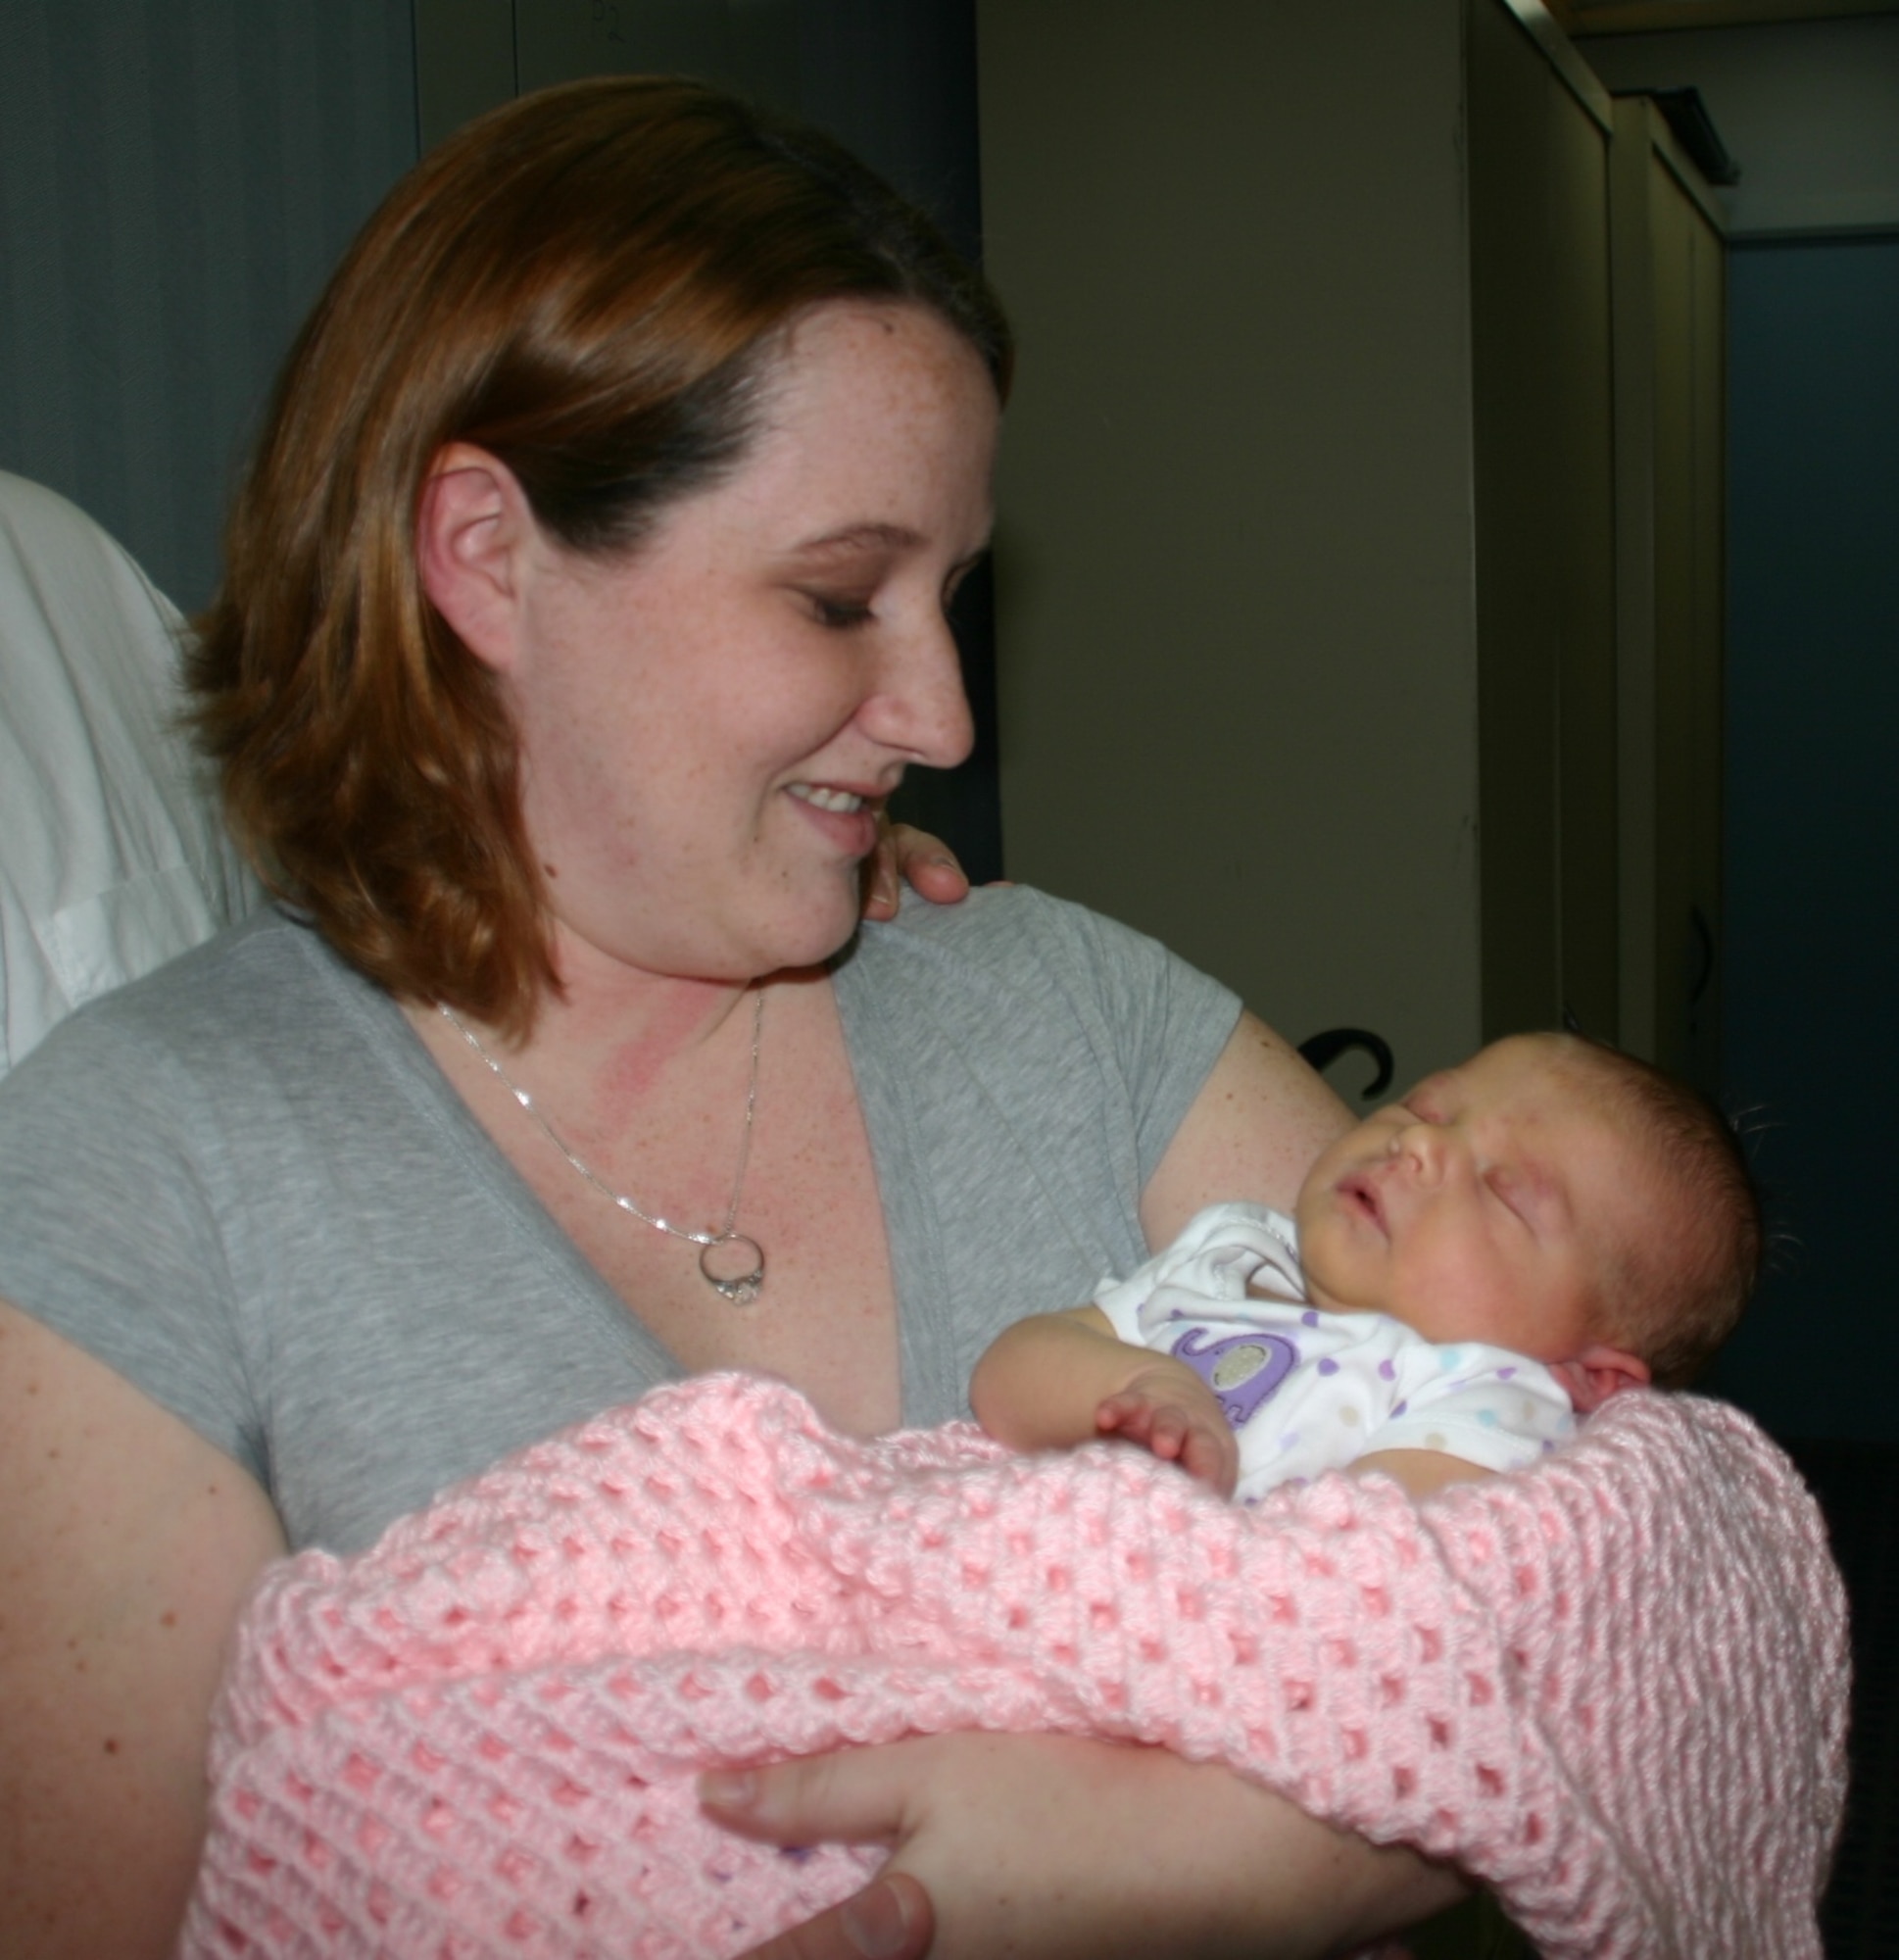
[244, 1185]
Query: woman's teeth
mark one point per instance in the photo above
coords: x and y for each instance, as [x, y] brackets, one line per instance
[841, 801]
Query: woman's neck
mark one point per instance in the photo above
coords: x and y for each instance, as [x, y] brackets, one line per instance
[633, 1026]
[614, 1039]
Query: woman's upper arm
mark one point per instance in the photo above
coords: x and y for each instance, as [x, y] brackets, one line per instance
[1260, 1118]
[127, 1545]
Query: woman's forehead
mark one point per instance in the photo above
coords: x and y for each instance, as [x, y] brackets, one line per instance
[877, 430]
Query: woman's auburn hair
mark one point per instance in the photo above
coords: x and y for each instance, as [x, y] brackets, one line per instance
[589, 283]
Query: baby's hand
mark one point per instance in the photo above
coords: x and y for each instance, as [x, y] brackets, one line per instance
[1170, 1411]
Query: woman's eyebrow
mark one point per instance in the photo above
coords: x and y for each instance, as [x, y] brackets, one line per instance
[858, 538]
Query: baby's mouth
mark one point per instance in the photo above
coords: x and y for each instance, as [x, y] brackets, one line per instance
[1361, 1193]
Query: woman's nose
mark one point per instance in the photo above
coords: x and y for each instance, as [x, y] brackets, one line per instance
[920, 707]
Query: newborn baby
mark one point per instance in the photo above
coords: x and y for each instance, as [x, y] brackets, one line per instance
[1519, 1238]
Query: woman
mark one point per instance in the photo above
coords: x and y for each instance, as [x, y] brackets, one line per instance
[586, 600]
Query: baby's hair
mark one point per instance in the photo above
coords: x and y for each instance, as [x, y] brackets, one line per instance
[1684, 1300]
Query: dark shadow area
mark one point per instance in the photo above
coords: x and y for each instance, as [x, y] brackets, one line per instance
[1811, 933]
[1858, 1487]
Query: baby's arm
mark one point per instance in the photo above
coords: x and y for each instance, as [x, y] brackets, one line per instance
[1057, 1380]
[1420, 1471]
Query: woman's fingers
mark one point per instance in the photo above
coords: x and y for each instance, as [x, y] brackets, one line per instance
[931, 866]
[852, 1797]
[926, 862]
[880, 877]
[889, 1920]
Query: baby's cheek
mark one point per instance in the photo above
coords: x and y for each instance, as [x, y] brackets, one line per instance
[1339, 1274]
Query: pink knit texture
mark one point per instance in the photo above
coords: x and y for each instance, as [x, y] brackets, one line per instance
[1613, 1687]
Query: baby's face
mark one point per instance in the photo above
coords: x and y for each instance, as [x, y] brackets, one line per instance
[1487, 1205]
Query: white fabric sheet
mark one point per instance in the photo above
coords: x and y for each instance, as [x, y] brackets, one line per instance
[113, 857]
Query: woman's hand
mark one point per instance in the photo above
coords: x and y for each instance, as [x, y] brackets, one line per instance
[929, 865]
[1065, 1850]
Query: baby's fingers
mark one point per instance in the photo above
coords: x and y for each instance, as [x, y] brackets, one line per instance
[1127, 1416]
[1169, 1432]
[1212, 1456]
[1158, 1427]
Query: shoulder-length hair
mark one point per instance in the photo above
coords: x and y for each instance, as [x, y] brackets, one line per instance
[588, 283]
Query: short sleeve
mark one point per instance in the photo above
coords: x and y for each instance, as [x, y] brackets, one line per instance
[1171, 1020]
[1022, 1066]
[110, 1227]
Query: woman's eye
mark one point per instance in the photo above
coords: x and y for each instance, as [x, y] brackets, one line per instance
[958, 576]
[839, 614]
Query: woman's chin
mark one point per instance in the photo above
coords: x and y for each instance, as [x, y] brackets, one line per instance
[827, 945]
[816, 932]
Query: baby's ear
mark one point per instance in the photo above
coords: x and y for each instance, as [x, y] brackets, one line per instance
[1598, 1373]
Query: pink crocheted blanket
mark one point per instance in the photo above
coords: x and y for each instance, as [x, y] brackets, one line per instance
[1614, 1688]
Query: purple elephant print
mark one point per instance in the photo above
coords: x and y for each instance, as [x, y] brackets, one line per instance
[1244, 1370]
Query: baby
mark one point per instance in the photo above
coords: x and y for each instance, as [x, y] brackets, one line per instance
[1518, 1239]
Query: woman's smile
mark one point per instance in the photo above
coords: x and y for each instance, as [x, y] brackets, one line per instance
[842, 803]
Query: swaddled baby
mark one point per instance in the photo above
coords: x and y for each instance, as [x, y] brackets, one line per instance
[482, 1736]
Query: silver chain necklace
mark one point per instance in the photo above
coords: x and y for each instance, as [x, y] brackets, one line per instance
[730, 1262]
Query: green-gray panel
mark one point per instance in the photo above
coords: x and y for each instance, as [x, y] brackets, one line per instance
[178, 180]
[750, 46]
[464, 62]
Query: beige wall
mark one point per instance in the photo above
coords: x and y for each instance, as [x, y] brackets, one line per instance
[1235, 553]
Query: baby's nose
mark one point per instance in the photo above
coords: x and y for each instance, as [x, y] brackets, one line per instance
[1422, 1146]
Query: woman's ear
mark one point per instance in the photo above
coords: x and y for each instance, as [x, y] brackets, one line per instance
[473, 532]
[1598, 1373]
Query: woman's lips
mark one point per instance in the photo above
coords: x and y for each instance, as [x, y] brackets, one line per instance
[847, 816]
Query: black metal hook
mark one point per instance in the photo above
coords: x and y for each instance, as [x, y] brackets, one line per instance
[1321, 1050]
